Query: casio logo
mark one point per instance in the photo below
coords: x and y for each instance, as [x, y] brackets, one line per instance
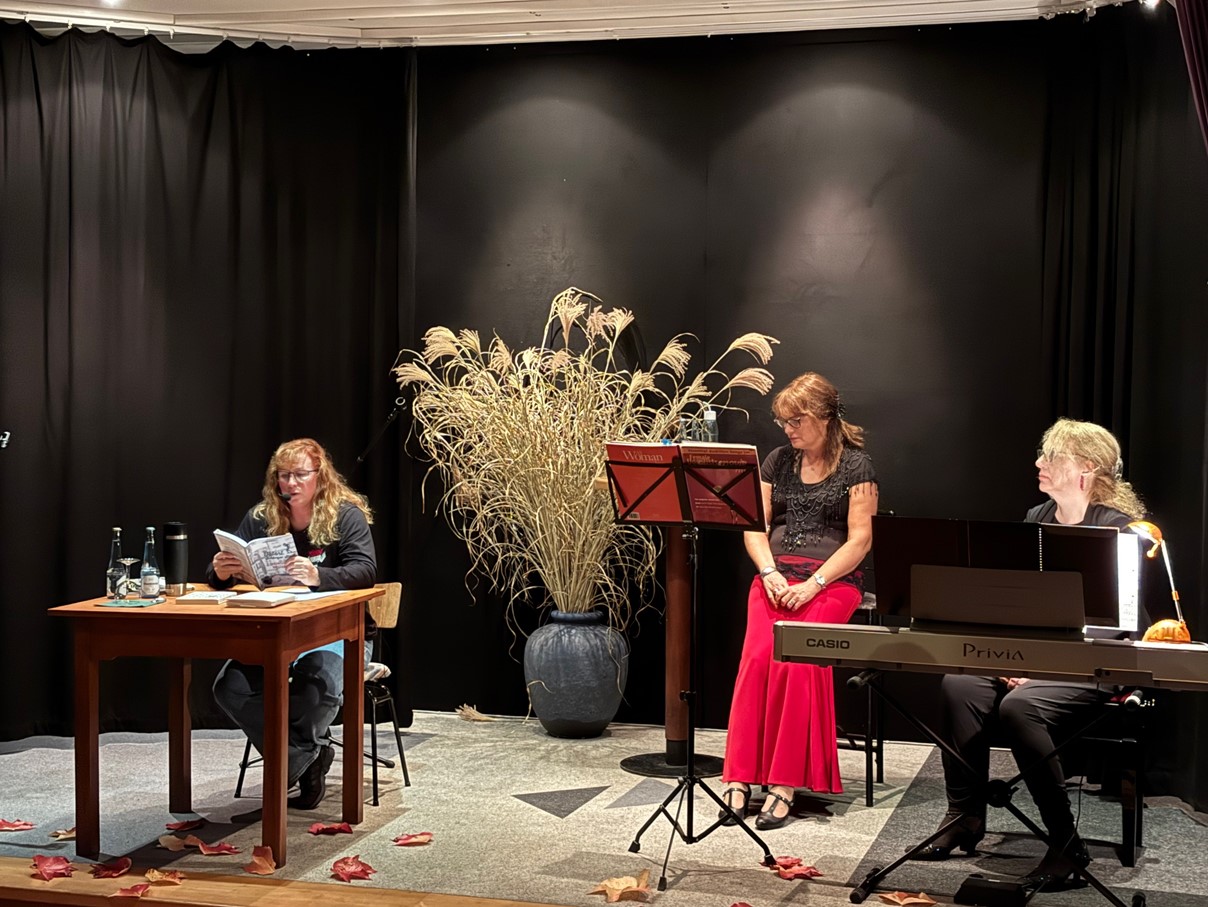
[828, 643]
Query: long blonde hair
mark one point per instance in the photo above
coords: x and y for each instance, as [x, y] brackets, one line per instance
[812, 394]
[1096, 445]
[330, 492]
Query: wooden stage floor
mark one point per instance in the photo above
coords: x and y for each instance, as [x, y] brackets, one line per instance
[19, 886]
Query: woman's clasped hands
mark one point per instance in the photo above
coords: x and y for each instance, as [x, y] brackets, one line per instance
[790, 597]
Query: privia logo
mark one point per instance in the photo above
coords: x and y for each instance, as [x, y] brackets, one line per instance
[989, 653]
[815, 643]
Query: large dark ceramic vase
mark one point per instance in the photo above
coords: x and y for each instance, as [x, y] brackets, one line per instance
[575, 667]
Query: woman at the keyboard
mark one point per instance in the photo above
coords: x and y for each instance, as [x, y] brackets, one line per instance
[1080, 469]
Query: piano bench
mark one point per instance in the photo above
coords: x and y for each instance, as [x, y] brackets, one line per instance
[872, 741]
[1123, 728]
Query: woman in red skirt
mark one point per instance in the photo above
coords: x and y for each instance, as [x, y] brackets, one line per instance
[820, 492]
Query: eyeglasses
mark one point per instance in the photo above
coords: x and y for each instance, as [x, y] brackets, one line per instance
[1051, 457]
[794, 423]
[300, 474]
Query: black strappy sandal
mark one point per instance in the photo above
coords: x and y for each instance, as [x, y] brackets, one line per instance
[727, 815]
[768, 818]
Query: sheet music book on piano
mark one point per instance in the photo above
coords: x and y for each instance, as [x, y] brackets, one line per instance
[1021, 579]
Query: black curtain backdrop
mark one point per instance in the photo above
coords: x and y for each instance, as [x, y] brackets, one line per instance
[200, 257]
[972, 230]
[1193, 26]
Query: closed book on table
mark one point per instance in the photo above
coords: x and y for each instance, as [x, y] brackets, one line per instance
[260, 599]
[202, 597]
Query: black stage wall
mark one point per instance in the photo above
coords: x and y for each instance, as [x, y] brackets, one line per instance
[972, 230]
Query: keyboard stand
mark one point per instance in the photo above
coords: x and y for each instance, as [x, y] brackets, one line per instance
[998, 793]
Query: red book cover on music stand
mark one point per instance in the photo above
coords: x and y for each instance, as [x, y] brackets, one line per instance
[723, 484]
[715, 485]
[642, 479]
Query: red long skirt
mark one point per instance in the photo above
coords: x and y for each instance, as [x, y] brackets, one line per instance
[782, 718]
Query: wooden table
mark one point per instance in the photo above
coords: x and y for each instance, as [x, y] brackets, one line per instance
[272, 637]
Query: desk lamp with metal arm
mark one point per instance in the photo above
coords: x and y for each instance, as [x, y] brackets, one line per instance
[1164, 630]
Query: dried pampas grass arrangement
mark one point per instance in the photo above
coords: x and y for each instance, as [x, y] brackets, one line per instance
[518, 438]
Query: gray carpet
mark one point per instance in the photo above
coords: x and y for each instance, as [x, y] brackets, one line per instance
[518, 814]
[1170, 869]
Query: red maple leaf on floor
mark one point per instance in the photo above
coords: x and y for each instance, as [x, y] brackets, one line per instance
[348, 868]
[15, 825]
[793, 868]
[210, 850]
[112, 870]
[134, 891]
[904, 898]
[330, 828]
[185, 825]
[415, 840]
[51, 867]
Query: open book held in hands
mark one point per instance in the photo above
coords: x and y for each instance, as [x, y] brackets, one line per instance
[263, 560]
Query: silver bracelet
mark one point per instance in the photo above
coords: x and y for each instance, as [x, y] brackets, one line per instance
[767, 571]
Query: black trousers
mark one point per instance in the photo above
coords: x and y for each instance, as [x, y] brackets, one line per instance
[980, 710]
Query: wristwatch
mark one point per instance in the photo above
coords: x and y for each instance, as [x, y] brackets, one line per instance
[767, 571]
[820, 580]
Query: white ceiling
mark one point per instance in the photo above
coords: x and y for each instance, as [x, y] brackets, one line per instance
[190, 24]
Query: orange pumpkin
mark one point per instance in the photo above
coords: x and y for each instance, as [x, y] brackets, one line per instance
[1167, 631]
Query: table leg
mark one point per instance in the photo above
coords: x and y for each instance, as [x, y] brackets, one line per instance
[87, 755]
[354, 726]
[276, 730]
[180, 737]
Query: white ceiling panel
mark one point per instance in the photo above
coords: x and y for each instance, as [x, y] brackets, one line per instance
[197, 24]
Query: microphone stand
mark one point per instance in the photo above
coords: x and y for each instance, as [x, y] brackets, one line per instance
[400, 404]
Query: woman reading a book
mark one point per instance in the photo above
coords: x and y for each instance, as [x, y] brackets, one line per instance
[820, 493]
[303, 495]
[1079, 468]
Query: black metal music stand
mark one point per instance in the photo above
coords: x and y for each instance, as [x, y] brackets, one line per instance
[689, 487]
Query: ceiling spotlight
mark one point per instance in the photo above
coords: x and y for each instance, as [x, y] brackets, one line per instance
[1151, 4]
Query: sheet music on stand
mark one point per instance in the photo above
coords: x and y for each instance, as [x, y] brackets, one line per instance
[720, 488]
[690, 485]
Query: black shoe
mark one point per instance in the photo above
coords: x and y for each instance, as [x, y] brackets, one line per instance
[768, 818]
[734, 792]
[312, 785]
[1060, 869]
[963, 833]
